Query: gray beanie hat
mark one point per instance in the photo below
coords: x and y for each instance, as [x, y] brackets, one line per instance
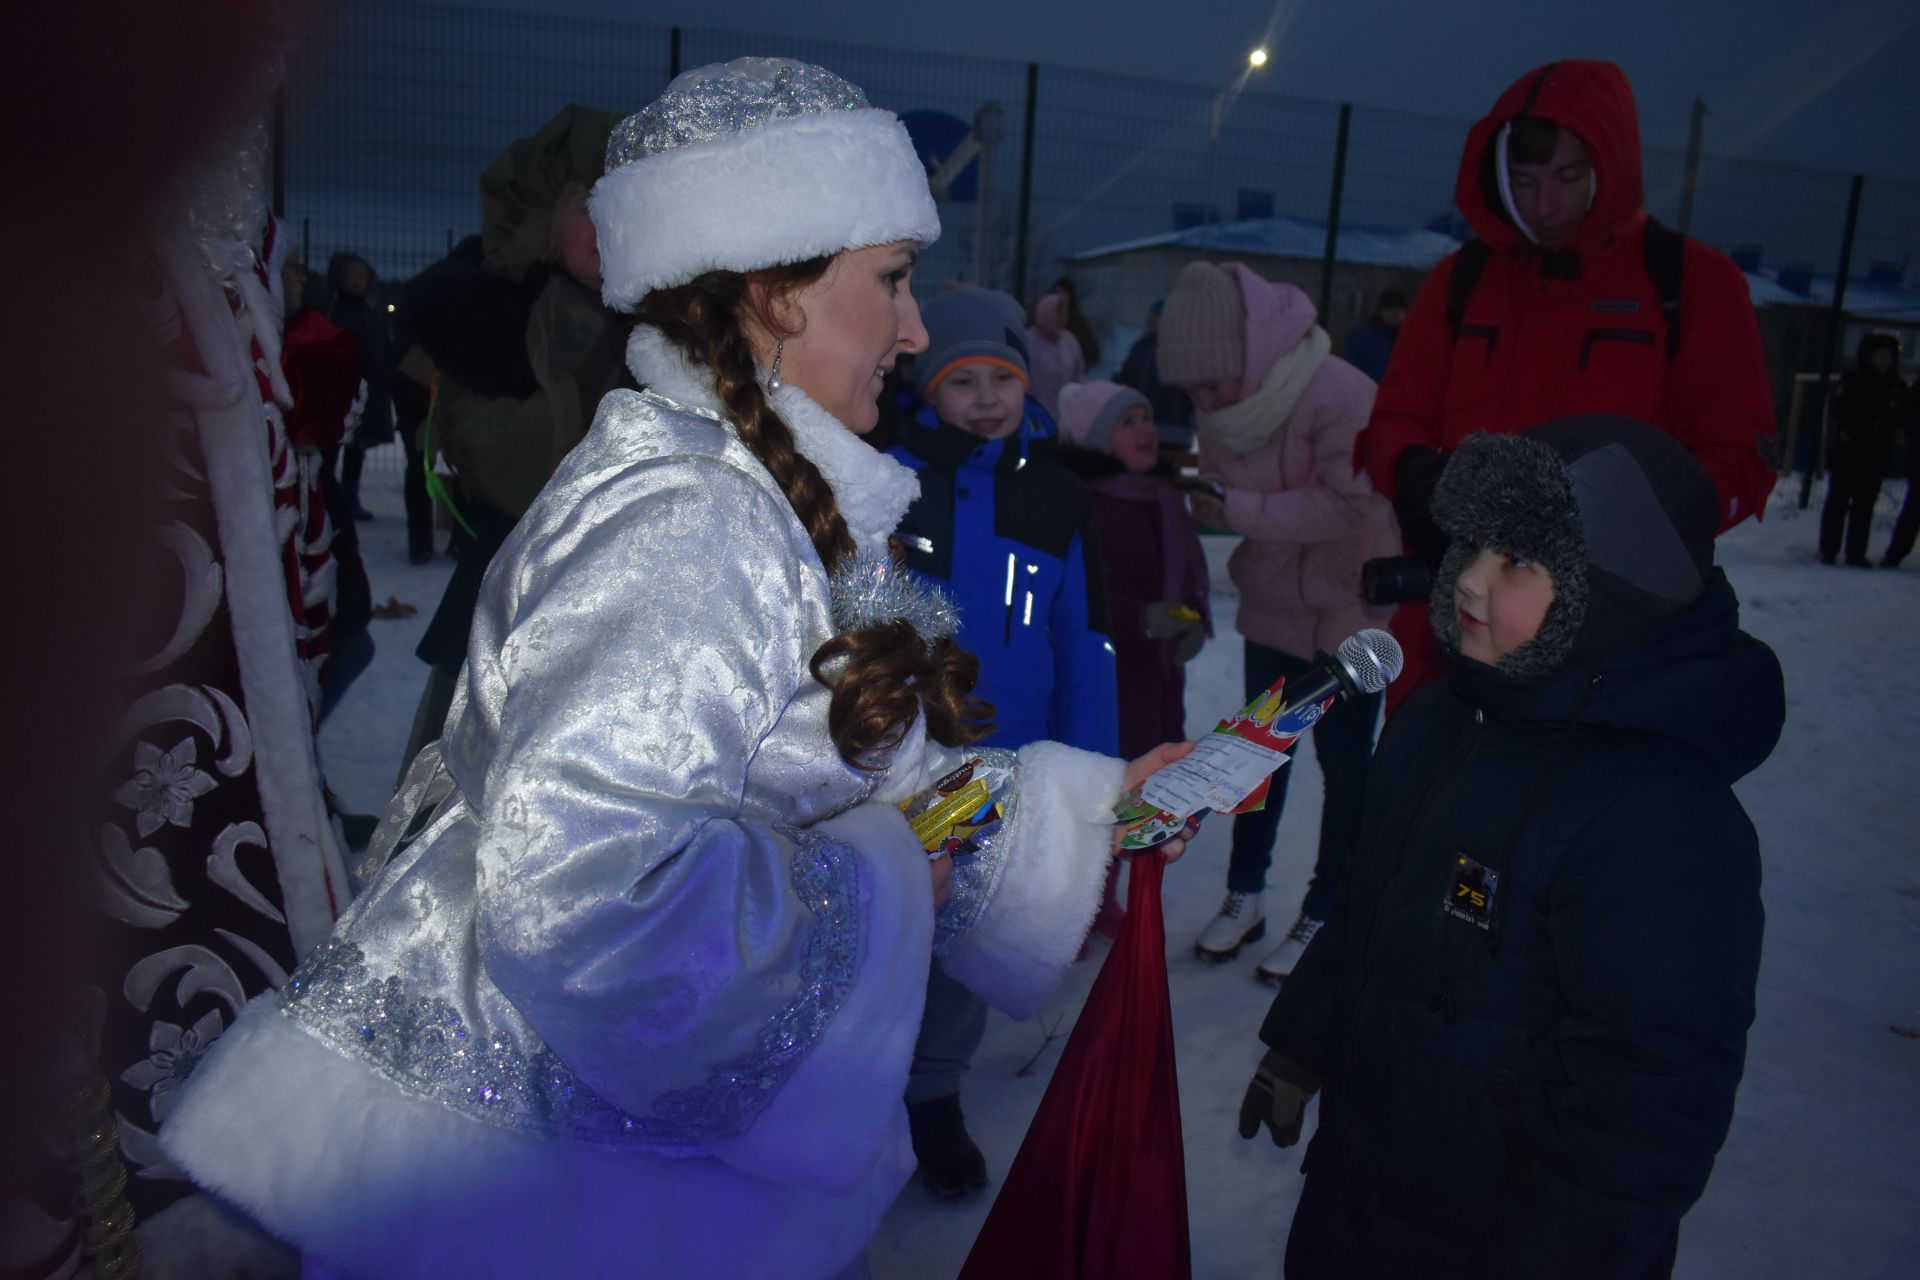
[1616, 510]
[970, 324]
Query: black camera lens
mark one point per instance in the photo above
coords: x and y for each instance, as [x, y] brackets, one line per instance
[1396, 579]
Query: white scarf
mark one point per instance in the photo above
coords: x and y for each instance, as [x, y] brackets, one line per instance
[871, 489]
[1250, 423]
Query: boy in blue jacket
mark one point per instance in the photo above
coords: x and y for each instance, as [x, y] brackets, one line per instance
[1528, 1020]
[1007, 530]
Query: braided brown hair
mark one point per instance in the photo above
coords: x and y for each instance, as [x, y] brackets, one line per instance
[890, 672]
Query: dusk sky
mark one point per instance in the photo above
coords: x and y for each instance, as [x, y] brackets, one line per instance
[1835, 85]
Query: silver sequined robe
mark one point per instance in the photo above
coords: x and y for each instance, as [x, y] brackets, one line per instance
[641, 997]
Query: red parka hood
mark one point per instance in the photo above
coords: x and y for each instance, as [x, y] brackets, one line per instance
[1595, 101]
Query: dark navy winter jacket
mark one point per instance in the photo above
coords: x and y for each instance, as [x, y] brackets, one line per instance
[1369, 348]
[1007, 529]
[1544, 1097]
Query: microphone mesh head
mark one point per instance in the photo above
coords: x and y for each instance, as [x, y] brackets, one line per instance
[1372, 658]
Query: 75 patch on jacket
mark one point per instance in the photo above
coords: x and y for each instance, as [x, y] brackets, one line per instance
[1470, 892]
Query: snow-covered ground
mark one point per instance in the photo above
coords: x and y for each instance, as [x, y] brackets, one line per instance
[1821, 1175]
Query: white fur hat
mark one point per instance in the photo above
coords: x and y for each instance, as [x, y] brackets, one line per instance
[752, 163]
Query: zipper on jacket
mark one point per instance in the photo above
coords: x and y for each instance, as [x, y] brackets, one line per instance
[1563, 743]
[1399, 864]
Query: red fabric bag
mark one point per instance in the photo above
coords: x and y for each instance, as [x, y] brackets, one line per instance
[1099, 1189]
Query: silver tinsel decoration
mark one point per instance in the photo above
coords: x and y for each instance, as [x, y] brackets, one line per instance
[717, 101]
[225, 194]
[872, 589]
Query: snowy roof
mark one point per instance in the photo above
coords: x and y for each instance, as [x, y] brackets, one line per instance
[1766, 293]
[1295, 238]
[1421, 248]
[1866, 299]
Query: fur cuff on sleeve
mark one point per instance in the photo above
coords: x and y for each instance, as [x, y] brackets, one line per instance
[1059, 847]
[840, 1109]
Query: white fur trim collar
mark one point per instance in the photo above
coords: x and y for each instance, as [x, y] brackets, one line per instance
[872, 489]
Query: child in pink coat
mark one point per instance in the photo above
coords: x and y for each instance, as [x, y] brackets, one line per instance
[1054, 357]
[1277, 417]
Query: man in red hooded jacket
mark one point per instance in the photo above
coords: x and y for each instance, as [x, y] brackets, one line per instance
[1565, 317]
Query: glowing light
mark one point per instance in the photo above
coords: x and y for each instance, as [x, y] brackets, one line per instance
[1258, 58]
[389, 308]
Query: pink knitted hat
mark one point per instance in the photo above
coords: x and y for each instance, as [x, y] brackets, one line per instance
[1203, 329]
[1089, 411]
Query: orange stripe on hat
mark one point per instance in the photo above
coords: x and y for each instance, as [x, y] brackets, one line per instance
[996, 361]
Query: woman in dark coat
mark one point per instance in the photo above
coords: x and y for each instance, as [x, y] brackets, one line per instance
[1529, 1017]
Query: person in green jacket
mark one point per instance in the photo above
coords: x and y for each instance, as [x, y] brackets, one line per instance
[523, 350]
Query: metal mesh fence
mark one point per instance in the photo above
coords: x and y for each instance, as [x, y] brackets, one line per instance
[1791, 215]
[1400, 169]
[1121, 157]
[1888, 228]
[395, 107]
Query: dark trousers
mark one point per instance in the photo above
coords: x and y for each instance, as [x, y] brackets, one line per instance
[1907, 527]
[1343, 743]
[349, 658]
[951, 1028]
[1851, 495]
[353, 460]
[419, 504]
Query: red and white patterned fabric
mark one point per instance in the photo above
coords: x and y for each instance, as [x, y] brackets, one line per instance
[217, 862]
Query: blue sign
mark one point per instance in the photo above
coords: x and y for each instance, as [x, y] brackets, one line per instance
[937, 135]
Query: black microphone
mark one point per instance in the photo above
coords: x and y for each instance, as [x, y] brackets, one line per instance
[1366, 662]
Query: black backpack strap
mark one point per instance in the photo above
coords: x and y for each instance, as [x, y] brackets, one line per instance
[1462, 280]
[1666, 252]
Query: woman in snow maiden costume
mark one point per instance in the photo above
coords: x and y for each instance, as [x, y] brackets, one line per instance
[640, 997]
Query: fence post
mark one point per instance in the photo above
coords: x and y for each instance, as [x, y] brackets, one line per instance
[1333, 214]
[278, 143]
[1692, 175]
[1026, 187]
[673, 53]
[1836, 332]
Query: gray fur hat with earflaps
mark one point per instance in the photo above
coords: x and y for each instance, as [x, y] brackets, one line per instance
[1616, 510]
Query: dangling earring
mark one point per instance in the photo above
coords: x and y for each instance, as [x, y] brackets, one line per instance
[773, 378]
